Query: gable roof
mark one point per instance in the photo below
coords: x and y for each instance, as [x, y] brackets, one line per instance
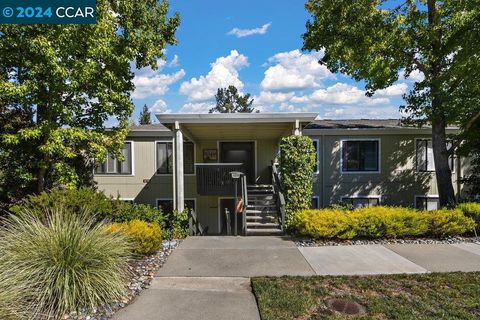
[364, 124]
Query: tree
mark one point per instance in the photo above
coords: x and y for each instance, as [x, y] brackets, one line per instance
[375, 41]
[74, 78]
[230, 101]
[145, 116]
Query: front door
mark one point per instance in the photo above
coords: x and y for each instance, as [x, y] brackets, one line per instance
[240, 152]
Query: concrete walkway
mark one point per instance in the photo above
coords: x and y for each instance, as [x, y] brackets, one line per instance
[209, 277]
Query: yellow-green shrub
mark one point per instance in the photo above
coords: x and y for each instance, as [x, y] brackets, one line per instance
[146, 237]
[447, 222]
[471, 210]
[324, 223]
[378, 222]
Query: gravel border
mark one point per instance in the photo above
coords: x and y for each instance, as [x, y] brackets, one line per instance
[309, 242]
[143, 271]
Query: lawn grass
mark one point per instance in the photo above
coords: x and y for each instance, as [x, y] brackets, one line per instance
[425, 296]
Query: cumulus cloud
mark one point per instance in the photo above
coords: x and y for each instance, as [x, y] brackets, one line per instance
[149, 82]
[365, 112]
[294, 70]
[394, 90]
[160, 106]
[199, 107]
[240, 33]
[224, 72]
[415, 76]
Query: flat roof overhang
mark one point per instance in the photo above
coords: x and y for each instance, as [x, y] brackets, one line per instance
[236, 126]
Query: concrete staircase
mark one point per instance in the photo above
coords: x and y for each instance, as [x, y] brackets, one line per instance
[262, 215]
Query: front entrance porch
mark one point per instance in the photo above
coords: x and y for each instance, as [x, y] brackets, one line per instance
[226, 143]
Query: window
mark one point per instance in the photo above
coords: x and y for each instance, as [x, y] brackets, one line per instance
[360, 202]
[360, 156]
[425, 161]
[316, 146]
[167, 205]
[165, 157]
[128, 200]
[315, 202]
[427, 202]
[114, 166]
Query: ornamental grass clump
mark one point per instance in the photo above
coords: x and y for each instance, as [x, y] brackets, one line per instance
[61, 263]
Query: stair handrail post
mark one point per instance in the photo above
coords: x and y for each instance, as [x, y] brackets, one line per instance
[245, 204]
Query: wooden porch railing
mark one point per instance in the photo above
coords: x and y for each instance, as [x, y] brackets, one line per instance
[277, 186]
[214, 179]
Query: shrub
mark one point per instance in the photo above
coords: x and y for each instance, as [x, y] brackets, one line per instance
[325, 223]
[297, 158]
[378, 222]
[471, 210]
[60, 264]
[146, 237]
[88, 200]
[446, 222]
[177, 225]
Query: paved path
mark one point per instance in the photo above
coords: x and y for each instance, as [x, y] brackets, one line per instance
[209, 277]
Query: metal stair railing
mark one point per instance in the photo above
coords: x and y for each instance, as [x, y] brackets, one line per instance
[277, 187]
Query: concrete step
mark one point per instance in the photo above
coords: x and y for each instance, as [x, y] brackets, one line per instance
[264, 231]
[266, 218]
[265, 225]
[255, 212]
[263, 206]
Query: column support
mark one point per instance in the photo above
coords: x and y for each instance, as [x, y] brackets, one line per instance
[179, 177]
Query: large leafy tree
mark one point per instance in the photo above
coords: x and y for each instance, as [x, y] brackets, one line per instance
[74, 78]
[376, 41]
[229, 100]
[145, 116]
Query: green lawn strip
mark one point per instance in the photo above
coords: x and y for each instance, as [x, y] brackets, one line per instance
[425, 296]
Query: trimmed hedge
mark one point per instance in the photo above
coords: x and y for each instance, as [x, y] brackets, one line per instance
[380, 222]
[472, 210]
[146, 237]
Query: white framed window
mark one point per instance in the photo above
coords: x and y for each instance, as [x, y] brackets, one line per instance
[113, 166]
[362, 201]
[424, 156]
[315, 202]
[128, 200]
[316, 145]
[164, 157]
[360, 156]
[427, 202]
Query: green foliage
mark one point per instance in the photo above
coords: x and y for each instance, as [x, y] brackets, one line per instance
[230, 101]
[377, 41]
[146, 237]
[86, 199]
[379, 222]
[177, 225]
[60, 264]
[73, 78]
[297, 165]
[145, 116]
[471, 210]
[447, 222]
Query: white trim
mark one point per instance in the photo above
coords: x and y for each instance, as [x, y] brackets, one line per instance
[318, 201]
[359, 196]
[317, 171]
[215, 118]
[127, 199]
[429, 196]
[219, 213]
[430, 171]
[379, 156]
[120, 174]
[173, 151]
[255, 151]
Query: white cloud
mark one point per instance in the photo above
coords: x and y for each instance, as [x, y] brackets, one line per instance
[341, 94]
[200, 107]
[224, 72]
[240, 33]
[361, 113]
[415, 76]
[174, 62]
[394, 90]
[160, 106]
[149, 82]
[294, 70]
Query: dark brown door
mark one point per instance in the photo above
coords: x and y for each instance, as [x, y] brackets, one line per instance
[240, 152]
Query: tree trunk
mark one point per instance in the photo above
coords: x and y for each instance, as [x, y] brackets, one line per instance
[442, 169]
[41, 179]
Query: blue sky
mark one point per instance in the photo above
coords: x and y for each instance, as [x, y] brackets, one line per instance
[256, 46]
